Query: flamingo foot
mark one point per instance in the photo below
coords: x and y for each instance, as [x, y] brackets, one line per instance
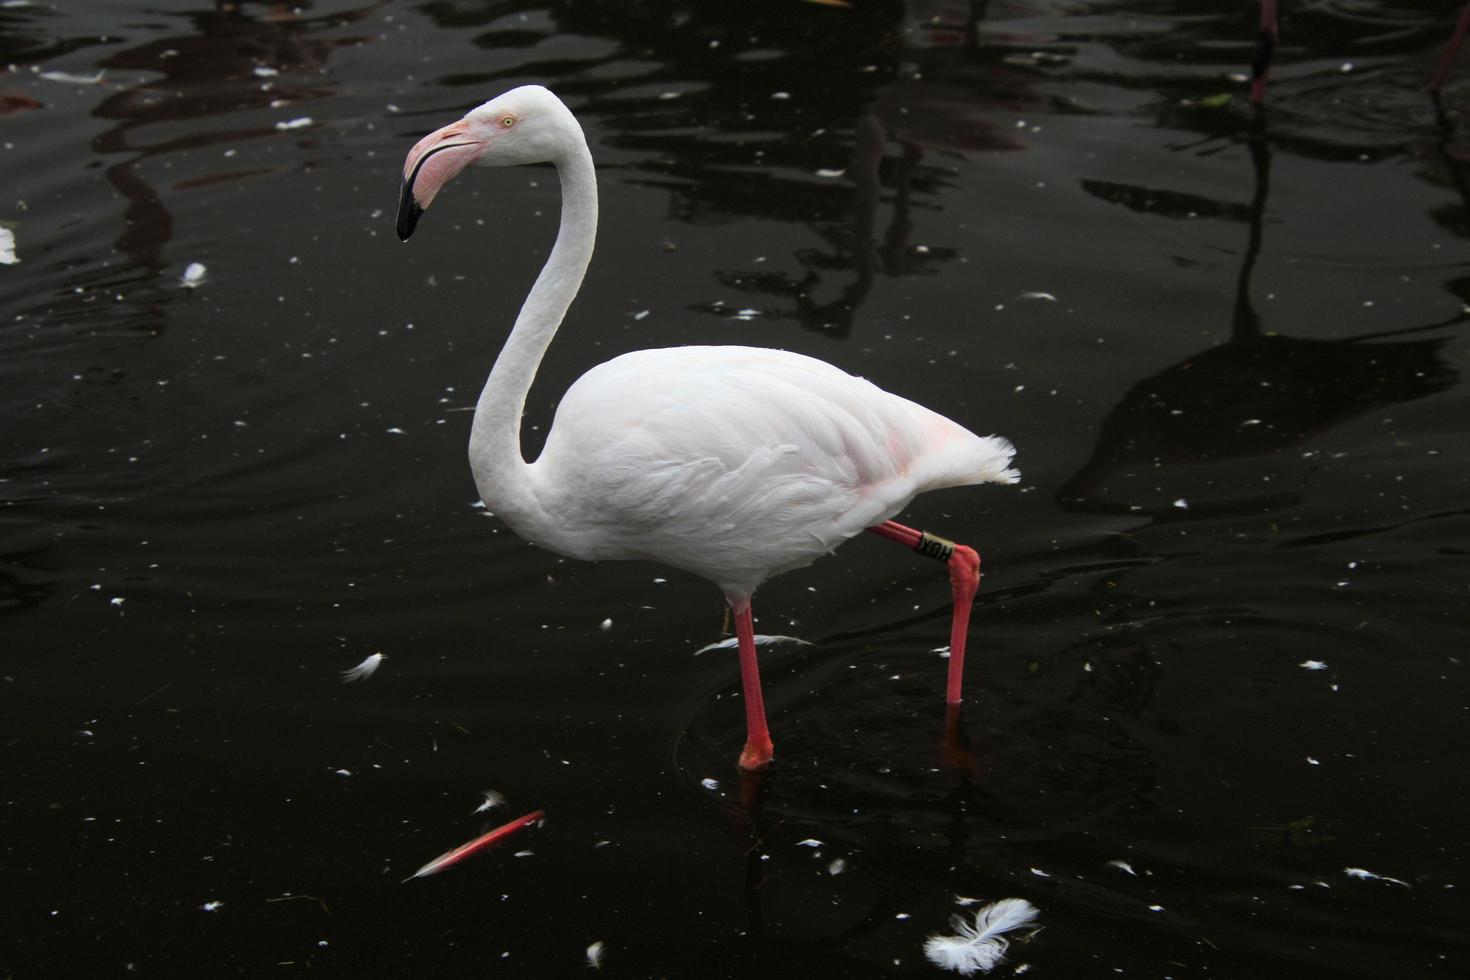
[757, 754]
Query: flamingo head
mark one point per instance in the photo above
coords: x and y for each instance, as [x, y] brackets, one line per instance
[525, 125]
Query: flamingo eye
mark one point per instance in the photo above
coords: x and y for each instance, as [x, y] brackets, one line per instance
[507, 121]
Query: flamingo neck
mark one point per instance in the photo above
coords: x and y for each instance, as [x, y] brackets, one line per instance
[501, 473]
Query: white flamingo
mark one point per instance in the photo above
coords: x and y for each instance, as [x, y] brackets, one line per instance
[734, 463]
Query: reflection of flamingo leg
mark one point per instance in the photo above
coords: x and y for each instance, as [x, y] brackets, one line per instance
[1265, 51]
[1448, 60]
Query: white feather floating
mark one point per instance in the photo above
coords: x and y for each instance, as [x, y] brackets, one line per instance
[193, 276]
[363, 670]
[761, 640]
[1367, 875]
[492, 800]
[980, 947]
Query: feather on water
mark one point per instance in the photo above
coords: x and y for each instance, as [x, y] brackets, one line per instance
[980, 947]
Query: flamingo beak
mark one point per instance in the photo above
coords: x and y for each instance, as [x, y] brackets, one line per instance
[432, 163]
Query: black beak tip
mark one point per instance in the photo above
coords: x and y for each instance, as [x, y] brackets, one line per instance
[409, 213]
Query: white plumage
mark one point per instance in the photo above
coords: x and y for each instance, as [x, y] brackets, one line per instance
[733, 463]
[739, 463]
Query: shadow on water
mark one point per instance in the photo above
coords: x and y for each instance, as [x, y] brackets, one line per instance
[1256, 394]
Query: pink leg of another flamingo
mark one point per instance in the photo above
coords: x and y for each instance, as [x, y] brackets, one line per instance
[964, 579]
[758, 747]
[1265, 51]
[1448, 60]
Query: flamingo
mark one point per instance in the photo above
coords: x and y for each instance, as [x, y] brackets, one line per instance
[733, 463]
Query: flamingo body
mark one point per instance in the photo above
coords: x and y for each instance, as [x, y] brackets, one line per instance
[738, 463]
[734, 463]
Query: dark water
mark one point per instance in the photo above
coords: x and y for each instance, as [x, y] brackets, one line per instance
[1240, 409]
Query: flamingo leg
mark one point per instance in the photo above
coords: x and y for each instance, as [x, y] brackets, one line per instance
[1448, 60]
[758, 747]
[964, 580]
[1265, 52]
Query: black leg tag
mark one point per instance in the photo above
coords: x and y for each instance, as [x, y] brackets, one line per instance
[933, 546]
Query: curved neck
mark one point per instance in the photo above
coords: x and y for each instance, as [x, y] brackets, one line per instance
[501, 473]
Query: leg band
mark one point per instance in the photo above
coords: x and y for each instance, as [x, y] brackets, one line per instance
[933, 546]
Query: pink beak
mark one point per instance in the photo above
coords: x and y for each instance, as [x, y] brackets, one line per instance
[432, 163]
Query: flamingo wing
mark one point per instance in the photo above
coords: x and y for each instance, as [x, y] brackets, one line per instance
[738, 463]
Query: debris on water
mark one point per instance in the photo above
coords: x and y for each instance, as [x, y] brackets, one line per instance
[809, 842]
[1312, 665]
[1182, 504]
[7, 247]
[780, 95]
[965, 901]
[193, 276]
[70, 78]
[1312, 762]
[640, 314]
[300, 122]
[363, 670]
[116, 600]
[395, 431]
[606, 624]
[458, 854]
[1122, 865]
[213, 905]
[1039, 873]
[981, 946]
[761, 640]
[709, 783]
[830, 173]
[837, 866]
[1367, 875]
[342, 772]
[1048, 297]
[594, 955]
[491, 801]
[1156, 908]
[264, 71]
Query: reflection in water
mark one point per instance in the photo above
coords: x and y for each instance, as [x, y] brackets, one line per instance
[230, 63]
[1254, 395]
[785, 111]
[940, 99]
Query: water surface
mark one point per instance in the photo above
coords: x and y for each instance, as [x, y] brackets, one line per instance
[1229, 345]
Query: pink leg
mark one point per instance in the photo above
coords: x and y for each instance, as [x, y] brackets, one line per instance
[1448, 61]
[964, 580]
[758, 747]
[1265, 51]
